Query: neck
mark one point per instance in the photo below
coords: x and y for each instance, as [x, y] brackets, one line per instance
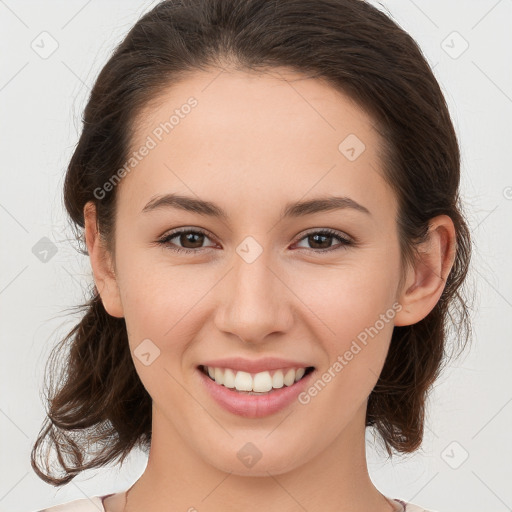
[335, 479]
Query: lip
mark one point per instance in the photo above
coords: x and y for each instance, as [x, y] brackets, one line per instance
[254, 406]
[255, 365]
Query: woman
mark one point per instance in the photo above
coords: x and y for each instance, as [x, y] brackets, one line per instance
[269, 196]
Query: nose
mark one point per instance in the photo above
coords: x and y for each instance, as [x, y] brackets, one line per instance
[255, 300]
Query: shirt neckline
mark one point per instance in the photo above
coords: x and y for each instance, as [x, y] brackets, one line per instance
[403, 504]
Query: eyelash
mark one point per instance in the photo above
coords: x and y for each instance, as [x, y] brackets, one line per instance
[165, 241]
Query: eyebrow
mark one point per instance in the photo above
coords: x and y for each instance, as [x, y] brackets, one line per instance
[294, 209]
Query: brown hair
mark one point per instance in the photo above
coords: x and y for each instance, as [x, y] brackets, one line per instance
[99, 398]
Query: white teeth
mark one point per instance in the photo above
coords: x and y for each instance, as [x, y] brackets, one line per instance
[219, 376]
[261, 382]
[289, 377]
[299, 374]
[278, 380]
[229, 378]
[243, 381]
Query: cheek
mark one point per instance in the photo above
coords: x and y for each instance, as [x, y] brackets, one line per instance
[346, 301]
[157, 310]
[158, 331]
[354, 315]
[161, 302]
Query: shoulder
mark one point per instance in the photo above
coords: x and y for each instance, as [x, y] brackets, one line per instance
[93, 504]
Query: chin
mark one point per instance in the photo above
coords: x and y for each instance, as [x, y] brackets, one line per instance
[249, 460]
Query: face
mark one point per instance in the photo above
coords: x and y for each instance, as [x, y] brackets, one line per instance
[316, 287]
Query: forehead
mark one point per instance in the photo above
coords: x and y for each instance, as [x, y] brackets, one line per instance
[256, 135]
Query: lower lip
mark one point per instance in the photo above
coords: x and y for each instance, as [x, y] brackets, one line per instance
[254, 406]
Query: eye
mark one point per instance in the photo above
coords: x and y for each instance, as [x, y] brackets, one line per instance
[320, 240]
[323, 238]
[186, 236]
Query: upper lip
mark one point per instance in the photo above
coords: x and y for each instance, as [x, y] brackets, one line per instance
[255, 365]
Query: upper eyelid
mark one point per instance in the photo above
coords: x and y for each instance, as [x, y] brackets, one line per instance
[179, 231]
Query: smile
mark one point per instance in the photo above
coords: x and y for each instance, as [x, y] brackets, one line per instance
[247, 401]
[255, 383]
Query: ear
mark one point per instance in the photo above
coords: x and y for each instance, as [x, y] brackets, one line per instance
[101, 263]
[425, 282]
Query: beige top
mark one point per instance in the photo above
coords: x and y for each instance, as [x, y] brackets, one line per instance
[96, 504]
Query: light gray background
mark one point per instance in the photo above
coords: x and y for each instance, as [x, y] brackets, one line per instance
[41, 101]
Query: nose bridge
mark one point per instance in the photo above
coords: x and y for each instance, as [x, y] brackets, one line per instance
[254, 304]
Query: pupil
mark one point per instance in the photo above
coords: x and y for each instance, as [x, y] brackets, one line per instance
[189, 238]
[315, 237]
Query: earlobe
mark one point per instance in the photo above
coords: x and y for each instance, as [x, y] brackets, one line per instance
[426, 281]
[104, 276]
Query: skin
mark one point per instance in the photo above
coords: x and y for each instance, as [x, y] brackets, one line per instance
[253, 143]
